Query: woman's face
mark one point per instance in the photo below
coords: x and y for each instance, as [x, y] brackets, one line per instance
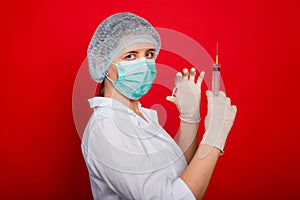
[133, 52]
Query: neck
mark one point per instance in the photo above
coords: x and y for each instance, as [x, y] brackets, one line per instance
[133, 105]
[111, 92]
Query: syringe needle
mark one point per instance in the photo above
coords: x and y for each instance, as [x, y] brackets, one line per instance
[217, 53]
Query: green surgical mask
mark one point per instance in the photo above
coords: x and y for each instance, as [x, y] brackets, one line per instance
[135, 77]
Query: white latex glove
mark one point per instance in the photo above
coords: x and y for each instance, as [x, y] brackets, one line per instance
[186, 95]
[219, 120]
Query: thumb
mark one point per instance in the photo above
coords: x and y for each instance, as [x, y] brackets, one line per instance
[171, 99]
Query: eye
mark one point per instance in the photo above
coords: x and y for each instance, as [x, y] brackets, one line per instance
[130, 56]
[149, 54]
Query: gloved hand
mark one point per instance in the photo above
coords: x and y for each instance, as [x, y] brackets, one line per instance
[219, 120]
[186, 95]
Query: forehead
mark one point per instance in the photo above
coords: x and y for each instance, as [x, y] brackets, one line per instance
[139, 46]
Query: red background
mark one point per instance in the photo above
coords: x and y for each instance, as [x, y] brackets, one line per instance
[43, 44]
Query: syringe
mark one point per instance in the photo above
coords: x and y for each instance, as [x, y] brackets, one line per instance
[216, 74]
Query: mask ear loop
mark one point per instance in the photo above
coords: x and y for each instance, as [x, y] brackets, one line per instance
[106, 75]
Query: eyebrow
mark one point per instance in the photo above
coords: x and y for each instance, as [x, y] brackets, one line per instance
[152, 49]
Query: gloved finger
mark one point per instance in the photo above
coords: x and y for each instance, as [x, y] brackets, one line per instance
[228, 101]
[209, 95]
[222, 94]
[192, 74]
[200, 78]
[171, 99]
[178, 78]
[185, 74]
[233, 111]
[234, 108]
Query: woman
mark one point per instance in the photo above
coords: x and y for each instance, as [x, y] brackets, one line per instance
[127, 153]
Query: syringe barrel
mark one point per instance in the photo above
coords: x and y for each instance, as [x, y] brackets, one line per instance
[216, 79]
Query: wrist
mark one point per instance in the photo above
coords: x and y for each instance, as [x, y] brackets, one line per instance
[214, 140]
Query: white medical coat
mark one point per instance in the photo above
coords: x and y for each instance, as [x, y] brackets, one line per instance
[130, 158]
